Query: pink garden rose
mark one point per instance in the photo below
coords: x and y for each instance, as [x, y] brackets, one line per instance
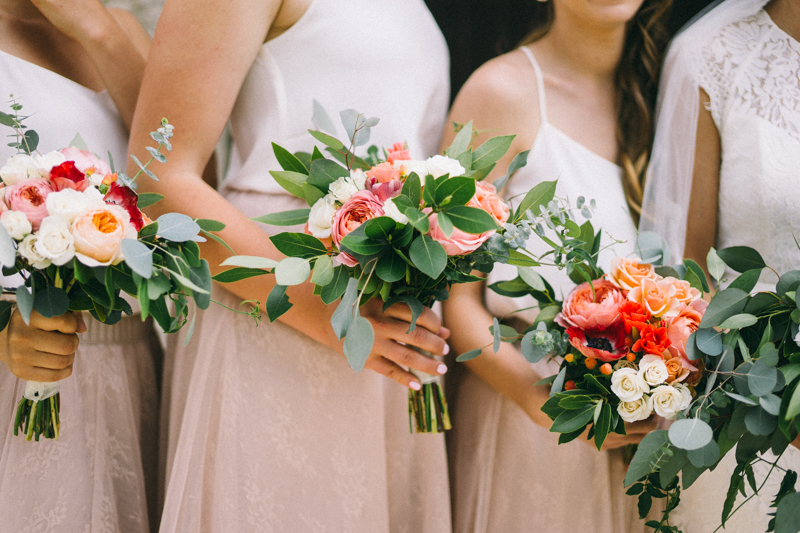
[585, 310]
[460, 242]
[29, 197]
[659, 297]
[98, 235]
[362, 206]
[387, 190]
[683, 325]
[629, 273]
[486, 198]
[86, 162]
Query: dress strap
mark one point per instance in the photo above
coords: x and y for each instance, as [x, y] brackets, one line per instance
[539, 82]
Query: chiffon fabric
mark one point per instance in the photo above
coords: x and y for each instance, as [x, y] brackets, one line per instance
[100, 474]
[268, 429]
[749, 68]
[508, 474]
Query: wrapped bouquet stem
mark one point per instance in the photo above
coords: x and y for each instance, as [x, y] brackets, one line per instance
[427, 407]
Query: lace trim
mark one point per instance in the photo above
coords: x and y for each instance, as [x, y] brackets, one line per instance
[753, 67]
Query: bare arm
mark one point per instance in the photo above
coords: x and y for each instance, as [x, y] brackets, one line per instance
[194, 73]
[114, 41]
[702, 226]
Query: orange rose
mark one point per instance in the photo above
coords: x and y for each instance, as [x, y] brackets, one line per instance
[657, 296]
[684, 292]
[629, 273]
[676, 369]
[486, 198]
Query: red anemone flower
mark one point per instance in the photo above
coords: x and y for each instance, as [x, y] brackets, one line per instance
[605, 345]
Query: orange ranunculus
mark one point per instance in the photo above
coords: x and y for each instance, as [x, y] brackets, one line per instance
[634, 315]
[652, 340]
[629, 273]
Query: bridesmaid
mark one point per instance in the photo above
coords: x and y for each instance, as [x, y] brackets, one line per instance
[269, 429]
[580, 95]
[76, 69]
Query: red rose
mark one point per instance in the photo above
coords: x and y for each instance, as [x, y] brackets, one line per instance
[652, 340]
[67, 176]
[634, 315]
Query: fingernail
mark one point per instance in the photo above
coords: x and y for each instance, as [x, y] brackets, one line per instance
[446, 351]
[414, 385]
[441, 369]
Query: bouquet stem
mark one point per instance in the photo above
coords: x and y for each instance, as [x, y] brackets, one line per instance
[427, 407]
[37, 417]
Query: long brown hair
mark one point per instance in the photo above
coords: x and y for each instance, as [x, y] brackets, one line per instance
[637, 88]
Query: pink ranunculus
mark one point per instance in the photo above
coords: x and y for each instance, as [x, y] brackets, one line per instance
[486, 198]
[98, 235]
[384, 173]
[658, 296]
[86, 162]
[398, 152]
[387, 190]
[584, 309]
[29, 197]
[362, 206]
[459, 242]
[683, 325]
[628, 273]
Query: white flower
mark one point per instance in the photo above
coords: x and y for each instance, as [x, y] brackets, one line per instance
[412, 165]
[27, 249]
[55, 242]
[667, 401]
[342, 189]
[46, 162]
[440, 165]
[391, 211]
[19, 167]
[359, 178]
[653, 370]
[628, 385]
[69, 203]
[16, 223]
[797, 339]
[636, 410]
[320, 219]
[686, 395]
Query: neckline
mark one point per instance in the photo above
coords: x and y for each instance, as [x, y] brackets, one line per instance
[55, 74]
[580, 146]
[768, 19]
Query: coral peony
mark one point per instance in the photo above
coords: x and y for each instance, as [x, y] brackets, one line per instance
[486, 198]
[586, 309]
[682, 326]
[361, 207]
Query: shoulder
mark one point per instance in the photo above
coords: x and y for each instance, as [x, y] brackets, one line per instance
[501, 96]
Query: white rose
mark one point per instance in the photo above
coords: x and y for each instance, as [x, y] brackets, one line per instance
[653, 370]
[69, 203]
[412, 165]
[391, 211]
[628, 385]
[55, 241]
[19, 167]
[27, 249]
[440, 165]
[95, 196]
[686, 395]
[16, 223]
[342, 189]
[797, 339]
[46, 162]
[636, 410]
[320, 219]
[359, 178]
[667, 401]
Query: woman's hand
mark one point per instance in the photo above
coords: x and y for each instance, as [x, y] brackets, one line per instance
[43, 351]
[388, 354]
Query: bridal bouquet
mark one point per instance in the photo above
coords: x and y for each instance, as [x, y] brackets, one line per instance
[747, 400]
[72, 228]
[622, 337]
[397, 229]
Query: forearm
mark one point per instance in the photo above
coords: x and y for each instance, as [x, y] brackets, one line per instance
[505, 371]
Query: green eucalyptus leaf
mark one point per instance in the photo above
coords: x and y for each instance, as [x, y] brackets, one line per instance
[761, 378]
[177, 227]
[739, 321]
[759, 422]
[445, 224]
[292, 182]
[138, 257]
[391, 267]
[343, 315]
[471, 219]
[288, 161]
[724, 304]
[455, 191]
[647, 453]
[336, 288]
[690, 434]
[468, 356]
[277, 302]
[358, 342]
[461, 141]
[298, 245]
[747, 280]
[51, 301]
[709, 341]
[418, 220]
[238, 274]
[787, 517]
[428, 256]
[323, 271]
[326, 139]
[146, 199]
[379, 227]
[519, 161]
[412, 189]
[491, 151]
[742, 258]
[250, 261]
[292, 271]
[8, 251]
[284, 218]
[531, 277]
[541, 194]
[716, 266]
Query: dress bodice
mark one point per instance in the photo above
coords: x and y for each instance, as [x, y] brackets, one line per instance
[751, 71]
[59, 109]
[400, 44]
[580, 172]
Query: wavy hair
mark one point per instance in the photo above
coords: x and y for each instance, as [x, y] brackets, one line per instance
[636, 79]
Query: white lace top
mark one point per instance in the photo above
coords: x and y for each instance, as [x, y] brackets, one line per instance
[751, 71]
